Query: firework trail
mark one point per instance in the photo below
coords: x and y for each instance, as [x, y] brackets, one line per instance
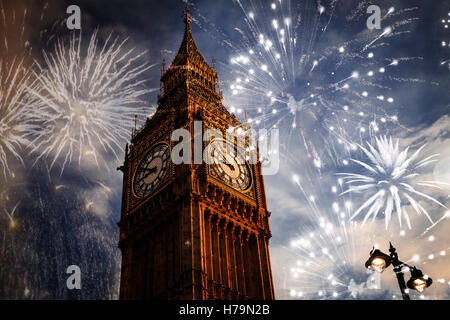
[12, 32]
[293, 72]
[4, 199]
[15, 77]
[391, 181]
[87, 99]
[15, 131]
[12, 221]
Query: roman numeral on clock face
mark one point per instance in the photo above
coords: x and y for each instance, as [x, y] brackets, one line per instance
[231, 169]
[151, 170]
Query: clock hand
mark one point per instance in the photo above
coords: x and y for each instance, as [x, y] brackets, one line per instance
[230, 166]
[225, 161]
[150, 171]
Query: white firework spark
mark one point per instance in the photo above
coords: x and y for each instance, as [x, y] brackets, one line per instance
[14, 102]
[445, 43]
[391, 179]
[326, 268]
[15, 76]
[10, 215]
[5, 201]
[291, 71]
[324, 255]
[326, 259]
[87, 99]
[13, 20]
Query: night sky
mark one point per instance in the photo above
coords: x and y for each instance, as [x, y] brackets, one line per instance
[77, 223]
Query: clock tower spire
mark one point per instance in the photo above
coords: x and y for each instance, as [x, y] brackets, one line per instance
[192, 230]
[187, 19]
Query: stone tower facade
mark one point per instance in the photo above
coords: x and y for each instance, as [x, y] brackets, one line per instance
[191, 231]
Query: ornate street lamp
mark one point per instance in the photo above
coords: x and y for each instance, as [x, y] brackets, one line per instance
[379, 261]
[418, 281]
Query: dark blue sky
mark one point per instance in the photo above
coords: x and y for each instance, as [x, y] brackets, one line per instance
[158, 26]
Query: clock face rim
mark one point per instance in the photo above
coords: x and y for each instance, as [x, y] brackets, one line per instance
[214, 167]
[166, 170]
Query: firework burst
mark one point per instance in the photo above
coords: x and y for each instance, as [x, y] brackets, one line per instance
[87, 99]
[323, 268]
[15, 77]
[323, 256]
[14, 105]
[325, 260]
[391, 180]
[293, 72]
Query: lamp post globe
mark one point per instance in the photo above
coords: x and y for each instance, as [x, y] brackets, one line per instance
[378, 261]
[418, 281]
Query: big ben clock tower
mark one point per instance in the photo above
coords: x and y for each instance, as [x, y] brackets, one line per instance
[190, 230]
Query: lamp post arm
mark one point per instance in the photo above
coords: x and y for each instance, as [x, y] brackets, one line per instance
[406, 265]
[401, 282]
[398, 265]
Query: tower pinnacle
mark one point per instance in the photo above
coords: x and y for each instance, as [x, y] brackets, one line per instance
[187, 19]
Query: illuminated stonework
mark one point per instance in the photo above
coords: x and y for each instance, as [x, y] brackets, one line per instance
[192, 236]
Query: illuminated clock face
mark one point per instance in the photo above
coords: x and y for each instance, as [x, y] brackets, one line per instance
[151, 170]
[231, 169]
